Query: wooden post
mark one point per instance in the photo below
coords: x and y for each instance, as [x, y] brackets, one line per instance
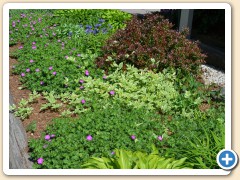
[186, 20]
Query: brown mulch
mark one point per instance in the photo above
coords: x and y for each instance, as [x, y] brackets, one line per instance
[42, 118]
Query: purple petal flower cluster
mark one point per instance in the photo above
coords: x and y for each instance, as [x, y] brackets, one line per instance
[79, 55]
[37, 70]
[31, 61]
[34, 47]
[22, 74]
[54, 73]
[49, 137]
[83, 101]
[133, 137]
[41, 83]
[81, 81]
[50, 68]
[20, 47]
[81, 87]
[89, 138]
[160, 138]
[105, 77]
[87, 73]
[40, 160]
[27, 70]
[112, 93]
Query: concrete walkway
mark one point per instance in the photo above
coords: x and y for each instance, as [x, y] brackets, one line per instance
[140, 11]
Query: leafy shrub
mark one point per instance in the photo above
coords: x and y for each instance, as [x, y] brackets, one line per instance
[123, 159]
[136, 88]
[151, 43]
[112, 126]
[114, 18]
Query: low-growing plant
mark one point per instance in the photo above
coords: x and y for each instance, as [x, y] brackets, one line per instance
[123, 159]
[202, 149]
[52, 102]
[150, 42]
[32, 127]
[22, 110]
[115, 18]
[108, 126]
[136, 88]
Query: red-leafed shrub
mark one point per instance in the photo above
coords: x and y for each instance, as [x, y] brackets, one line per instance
[149, 42]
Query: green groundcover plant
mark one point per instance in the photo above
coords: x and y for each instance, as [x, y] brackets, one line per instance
[97, 134]
[145, 95]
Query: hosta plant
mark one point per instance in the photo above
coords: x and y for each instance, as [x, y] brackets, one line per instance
[124, 159]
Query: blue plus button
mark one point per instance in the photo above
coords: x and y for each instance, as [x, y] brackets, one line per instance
[227, 159]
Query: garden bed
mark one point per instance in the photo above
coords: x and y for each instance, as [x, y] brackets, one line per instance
[92, 84]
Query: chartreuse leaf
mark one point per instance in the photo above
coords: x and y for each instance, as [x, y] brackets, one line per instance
[136, 160]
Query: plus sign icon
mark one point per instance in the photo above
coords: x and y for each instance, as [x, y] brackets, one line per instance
[227, 159]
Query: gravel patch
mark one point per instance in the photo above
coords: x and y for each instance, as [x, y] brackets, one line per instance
[212, 75]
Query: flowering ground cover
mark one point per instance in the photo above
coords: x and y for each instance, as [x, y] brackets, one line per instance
[106, 89]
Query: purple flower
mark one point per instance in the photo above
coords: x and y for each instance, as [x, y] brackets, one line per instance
[18, 20]
[31, 61]
[104, 77]
[45, 146]
[32, 29]
[160, 138]
[81, 81]
[79, 55]
[54, 73]
[101, 20]
[66, 57]
[22, 74]
[47, 137]
[41, 83]
[40, 160]
[53, 136]
[86, 73]
[50, 68]
[59, 40]
[37, 70]
[83, 101]
[33, 43]
[81, 87]
[112, 92]
[40, 36]
[89, 138]
[34, 47]
[39, 19]
[20, 47]
[133, 137]
[112, 153]
[27, 70]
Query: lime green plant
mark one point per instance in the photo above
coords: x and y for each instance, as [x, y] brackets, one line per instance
[137, 88]
[123, 159]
